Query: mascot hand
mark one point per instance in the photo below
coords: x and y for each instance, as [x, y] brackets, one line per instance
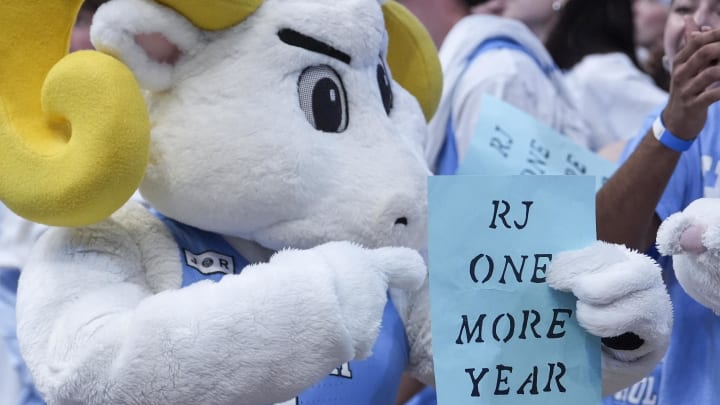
[692, 237]
[361, 278]
[622, 299]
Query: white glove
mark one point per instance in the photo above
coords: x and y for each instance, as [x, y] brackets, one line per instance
[622, 299]
[692, 237]
[362, 278]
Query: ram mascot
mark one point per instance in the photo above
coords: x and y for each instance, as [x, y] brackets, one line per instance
[276, 258]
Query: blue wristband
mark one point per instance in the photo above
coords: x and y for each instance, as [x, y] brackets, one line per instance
[666, 137]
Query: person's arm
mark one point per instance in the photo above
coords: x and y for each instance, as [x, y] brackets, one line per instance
[626, 204]
[409, 387]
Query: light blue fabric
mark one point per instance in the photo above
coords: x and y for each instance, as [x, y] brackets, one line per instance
[448, 158]
[8, 294]
[372, 381]
[690, 373]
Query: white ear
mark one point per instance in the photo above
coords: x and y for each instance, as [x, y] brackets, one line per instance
[149, 38]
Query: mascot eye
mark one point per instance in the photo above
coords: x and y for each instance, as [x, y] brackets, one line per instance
[385, 87]
[323, 99]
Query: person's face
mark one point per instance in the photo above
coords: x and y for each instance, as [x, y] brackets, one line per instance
[706, 13]
[534, 13]
[81, 32]
[496, 7]
[650, 17]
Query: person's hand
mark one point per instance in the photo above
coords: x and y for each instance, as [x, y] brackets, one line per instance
[694, 83]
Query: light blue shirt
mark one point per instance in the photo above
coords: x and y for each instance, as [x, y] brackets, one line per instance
[690, 373]
[375, 380]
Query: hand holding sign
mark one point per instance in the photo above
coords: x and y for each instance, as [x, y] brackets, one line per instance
[500, 335]
[622, 298]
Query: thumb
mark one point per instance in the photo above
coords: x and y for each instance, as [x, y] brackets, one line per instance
[690, 27]
[403, 268]
[691, 239]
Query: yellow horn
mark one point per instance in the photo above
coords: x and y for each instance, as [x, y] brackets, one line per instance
[74, 130]
[214, 14]
[412, 57]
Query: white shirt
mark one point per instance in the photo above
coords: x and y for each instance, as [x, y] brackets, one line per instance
[508, 74]
[614, 95]
[17, 236]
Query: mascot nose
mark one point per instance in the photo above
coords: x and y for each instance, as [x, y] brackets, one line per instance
[401, 221]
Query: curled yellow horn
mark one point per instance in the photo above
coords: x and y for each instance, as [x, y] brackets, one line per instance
[214, 14]
[74, 130]
[412, 57]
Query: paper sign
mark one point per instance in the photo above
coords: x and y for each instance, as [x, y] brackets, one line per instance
[500, 334]
[508, 141]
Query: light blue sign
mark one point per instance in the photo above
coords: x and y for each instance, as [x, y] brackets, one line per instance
[508, 141]
[500, 334]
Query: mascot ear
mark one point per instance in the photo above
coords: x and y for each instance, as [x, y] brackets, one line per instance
[149, 38]
[69, 154]
[412, 56]
[153, 37]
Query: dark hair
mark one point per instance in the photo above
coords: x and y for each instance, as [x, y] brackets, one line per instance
[93, 5]
[472, 3]
[586, 27]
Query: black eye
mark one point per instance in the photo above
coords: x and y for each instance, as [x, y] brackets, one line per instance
[385, 87]
[323, 99]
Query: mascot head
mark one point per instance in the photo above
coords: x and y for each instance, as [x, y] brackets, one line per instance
[278, 121]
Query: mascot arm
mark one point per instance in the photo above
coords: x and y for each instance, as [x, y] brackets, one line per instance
[622, 299]
[94, 332]
[692, 237]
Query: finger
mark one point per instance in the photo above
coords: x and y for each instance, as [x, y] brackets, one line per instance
[708, 97]
[691, 240]
[668, 235]
[698, 86]
[404, 268]
[618, 281]
[689, 47]
[694, 40]
[690, 26]
[699, 68]
[647, 314]
[567, 267]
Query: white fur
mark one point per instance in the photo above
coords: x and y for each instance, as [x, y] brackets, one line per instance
[95, 331]
[116, 24]
[101, 317]
[618, 291]
[698, 273]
